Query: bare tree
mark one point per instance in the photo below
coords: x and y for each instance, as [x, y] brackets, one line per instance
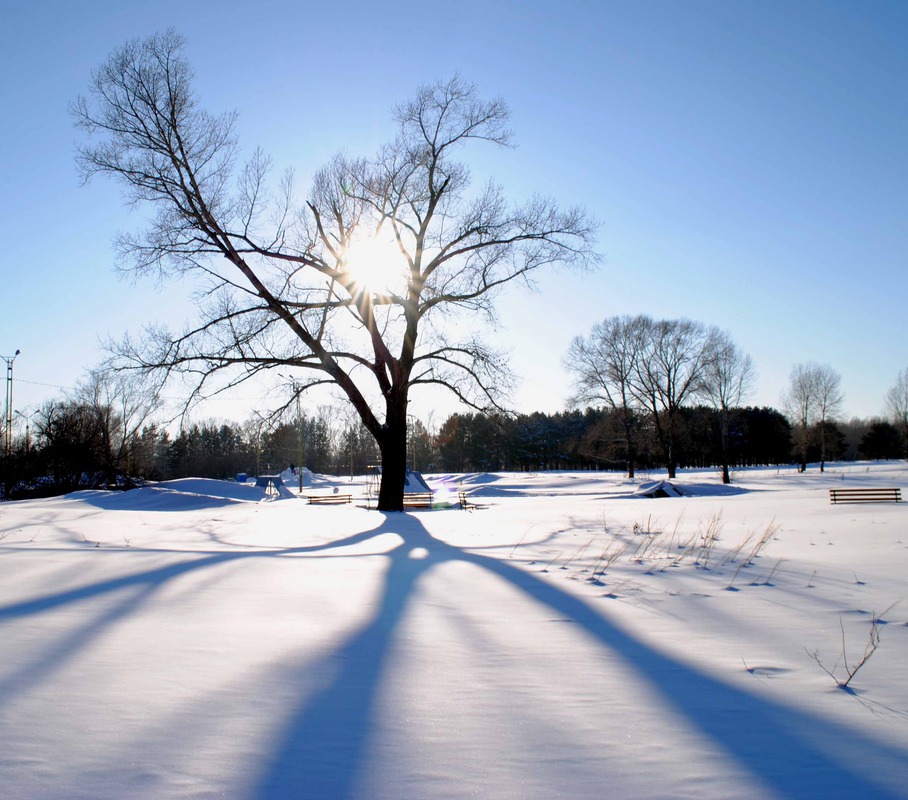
[671, 371]
[632, 363]
[798, 402]
[603, 365]
[828, 384]
[73, 445]
[308, 289]
[897, 405]
[814, 396]
[123, 404]
[729, 377]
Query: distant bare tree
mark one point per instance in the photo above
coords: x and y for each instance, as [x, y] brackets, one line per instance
[814, 396]
[309, 289]
[631, 363]
[671, 371]
[798, 401]
[728, 378]
[123, 404]
[897, 405]
[828, 384]
[603, 365]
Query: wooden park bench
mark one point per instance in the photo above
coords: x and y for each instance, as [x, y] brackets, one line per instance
[865, 495]
[465, 503]
[418, 500]
[329, 499]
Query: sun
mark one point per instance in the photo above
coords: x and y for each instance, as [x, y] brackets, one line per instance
[376, 264]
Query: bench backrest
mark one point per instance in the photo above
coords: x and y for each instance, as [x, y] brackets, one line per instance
[856, 495]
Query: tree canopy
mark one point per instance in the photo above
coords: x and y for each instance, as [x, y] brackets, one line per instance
[361, 284]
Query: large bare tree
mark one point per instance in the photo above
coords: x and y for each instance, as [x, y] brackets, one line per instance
[360, 286]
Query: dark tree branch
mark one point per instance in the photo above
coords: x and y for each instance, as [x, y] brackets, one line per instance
[282, 288]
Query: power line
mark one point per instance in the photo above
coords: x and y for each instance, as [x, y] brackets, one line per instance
[46, 385]
[168, 398]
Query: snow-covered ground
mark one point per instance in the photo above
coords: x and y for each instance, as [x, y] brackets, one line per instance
[566, 639]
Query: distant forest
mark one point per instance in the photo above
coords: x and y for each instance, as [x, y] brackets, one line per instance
[83, 444]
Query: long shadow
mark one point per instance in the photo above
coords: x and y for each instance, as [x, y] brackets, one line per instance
[322, 750]
[55, 655]
[138, 589]
[798, 754]
[326, 741]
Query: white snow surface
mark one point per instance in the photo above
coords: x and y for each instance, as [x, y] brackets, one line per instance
[566, 639]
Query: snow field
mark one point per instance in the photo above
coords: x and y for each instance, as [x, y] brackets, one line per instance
[195, 640]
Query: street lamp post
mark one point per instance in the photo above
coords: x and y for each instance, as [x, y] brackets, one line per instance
[9, 400]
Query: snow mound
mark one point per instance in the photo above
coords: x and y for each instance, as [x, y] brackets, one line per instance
[184, 494]
[659, 489]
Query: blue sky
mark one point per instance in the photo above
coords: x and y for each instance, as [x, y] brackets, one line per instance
[747, 161]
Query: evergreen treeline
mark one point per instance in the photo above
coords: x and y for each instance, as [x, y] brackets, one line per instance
[593, 439]
[78, 444]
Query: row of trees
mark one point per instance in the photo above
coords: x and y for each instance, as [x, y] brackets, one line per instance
[75, 444]
[595, 439]
[106, 434]
[651, 374]
[85, 443]
[641, 368]
[656, 393]
[897, 406]
[362, 285]
[69, 447]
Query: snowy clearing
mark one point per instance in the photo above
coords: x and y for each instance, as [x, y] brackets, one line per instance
[195, 639]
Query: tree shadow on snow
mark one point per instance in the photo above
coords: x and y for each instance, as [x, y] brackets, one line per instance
[321, 752]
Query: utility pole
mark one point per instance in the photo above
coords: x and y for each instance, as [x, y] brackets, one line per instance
[9, 400]
[299, 438]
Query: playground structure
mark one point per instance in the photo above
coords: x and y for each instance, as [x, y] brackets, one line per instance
[414, 483]
[274, 487]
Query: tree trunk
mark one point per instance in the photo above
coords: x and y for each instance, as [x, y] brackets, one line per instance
[726, 478]
[631, 441]
[393, 447]
[665, 436]
[802, 446]
[671, 461]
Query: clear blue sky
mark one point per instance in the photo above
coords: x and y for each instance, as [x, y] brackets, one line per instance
[748, 161]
